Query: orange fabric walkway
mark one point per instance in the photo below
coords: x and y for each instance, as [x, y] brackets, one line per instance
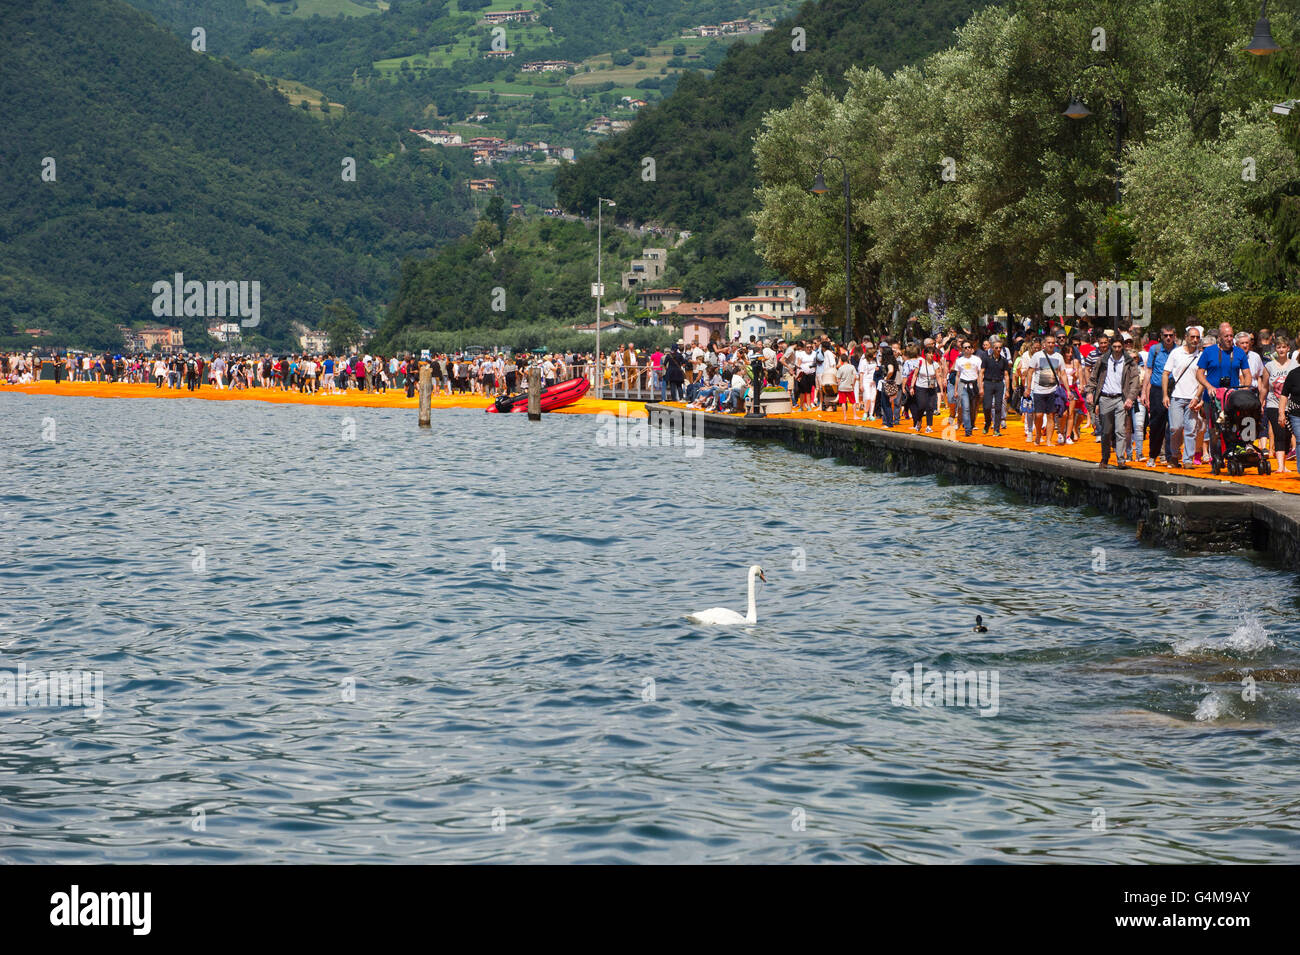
[1013, 437]
[944, 430]
[395, 398]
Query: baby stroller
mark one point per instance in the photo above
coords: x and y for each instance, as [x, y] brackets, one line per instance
[1236, 423]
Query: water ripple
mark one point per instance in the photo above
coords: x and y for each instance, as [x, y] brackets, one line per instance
[468, 644]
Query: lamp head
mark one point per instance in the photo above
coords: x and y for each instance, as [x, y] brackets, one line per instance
[1076, 110]
[1262, 43]
[819, 184]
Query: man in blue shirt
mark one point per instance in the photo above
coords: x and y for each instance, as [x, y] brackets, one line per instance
[1223, 365]
[1153, 395]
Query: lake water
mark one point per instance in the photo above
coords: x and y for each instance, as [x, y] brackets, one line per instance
[470, 645]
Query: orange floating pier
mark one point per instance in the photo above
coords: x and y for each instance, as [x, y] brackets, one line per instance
[393, 398]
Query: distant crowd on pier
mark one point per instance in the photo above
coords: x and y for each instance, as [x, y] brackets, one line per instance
[486, 375]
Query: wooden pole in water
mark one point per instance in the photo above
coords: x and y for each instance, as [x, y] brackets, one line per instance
[534, 394]
[426, 391]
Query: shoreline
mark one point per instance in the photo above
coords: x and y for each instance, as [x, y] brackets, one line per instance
[393, 398]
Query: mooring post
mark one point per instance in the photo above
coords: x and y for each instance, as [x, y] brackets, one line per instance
[534, 394]
[426, 390]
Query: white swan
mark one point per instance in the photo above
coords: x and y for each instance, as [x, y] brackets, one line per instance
[721, 616]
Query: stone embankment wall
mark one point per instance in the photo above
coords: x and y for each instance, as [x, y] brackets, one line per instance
[1183, 513]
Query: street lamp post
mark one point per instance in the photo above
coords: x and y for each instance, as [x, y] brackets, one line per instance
[819, 188]
[600, 209]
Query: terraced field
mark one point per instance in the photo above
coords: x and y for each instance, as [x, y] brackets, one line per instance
[325, 8]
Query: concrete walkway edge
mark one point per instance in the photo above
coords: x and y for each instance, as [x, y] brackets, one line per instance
[1184, 513]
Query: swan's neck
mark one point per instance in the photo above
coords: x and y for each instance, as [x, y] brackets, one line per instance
[752, 616]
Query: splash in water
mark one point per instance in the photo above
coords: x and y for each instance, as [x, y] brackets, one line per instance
[1211, 708]
[1248, 637]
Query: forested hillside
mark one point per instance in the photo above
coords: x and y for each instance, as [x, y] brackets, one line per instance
[701, 137]
[337, 55]
[129, 157]
[506, 273]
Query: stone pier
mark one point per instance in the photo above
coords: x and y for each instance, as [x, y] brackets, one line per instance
[1183, 513]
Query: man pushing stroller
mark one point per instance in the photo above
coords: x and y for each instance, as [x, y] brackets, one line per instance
[1233, 406]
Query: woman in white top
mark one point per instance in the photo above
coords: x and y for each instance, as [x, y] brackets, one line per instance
[867, 366]
[807, 382]
[620, 380]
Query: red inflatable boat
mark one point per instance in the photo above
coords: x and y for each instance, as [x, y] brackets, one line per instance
[553, 396]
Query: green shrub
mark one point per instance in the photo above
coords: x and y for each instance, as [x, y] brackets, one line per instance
[1279, 311]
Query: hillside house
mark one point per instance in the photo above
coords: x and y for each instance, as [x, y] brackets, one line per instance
[549, 66]
[439, 137]
[145, 339]
[804, 324]
[701, 322]
[225, 331]
[657, 299]
[648, 268]
[612, 327]
[314, 341]
[775, 301]
[510, 16]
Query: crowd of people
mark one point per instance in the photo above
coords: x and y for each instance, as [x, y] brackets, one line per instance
[486, 375]
[1124, 387]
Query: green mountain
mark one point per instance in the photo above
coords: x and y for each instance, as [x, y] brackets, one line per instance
[425, 62]
[130, 157]
[701, 137]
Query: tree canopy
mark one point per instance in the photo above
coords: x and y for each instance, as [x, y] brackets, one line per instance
[970, 185]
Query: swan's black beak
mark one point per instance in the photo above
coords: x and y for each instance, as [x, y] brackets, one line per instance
[762, 577]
